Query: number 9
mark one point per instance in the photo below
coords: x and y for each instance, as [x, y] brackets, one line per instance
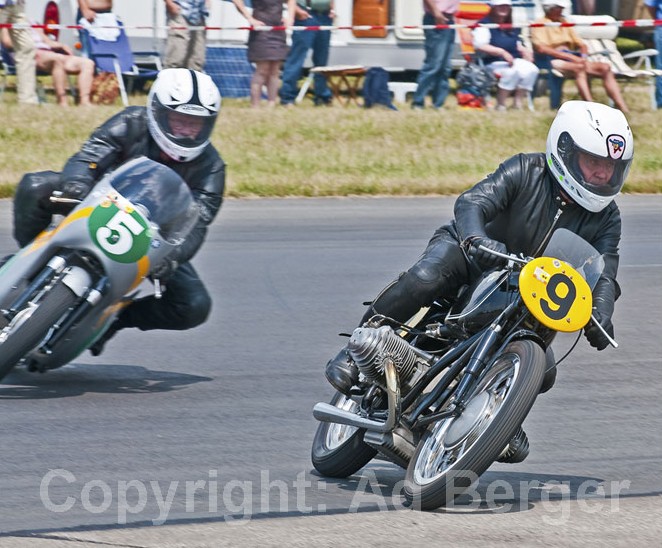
[564, 301]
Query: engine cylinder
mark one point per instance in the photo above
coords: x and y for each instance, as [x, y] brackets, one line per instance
[369, 347]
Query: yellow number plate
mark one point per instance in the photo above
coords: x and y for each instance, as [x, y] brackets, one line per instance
[556, 294]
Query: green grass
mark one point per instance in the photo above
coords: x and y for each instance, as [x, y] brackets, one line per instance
[309, 151]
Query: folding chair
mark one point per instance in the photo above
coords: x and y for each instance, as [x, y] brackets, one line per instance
[604, 50]
[117, 58]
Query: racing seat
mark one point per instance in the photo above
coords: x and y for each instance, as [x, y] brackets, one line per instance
[116, 57]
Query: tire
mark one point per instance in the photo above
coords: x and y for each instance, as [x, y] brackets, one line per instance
[453, 453]
[339, 450]
[22, 338]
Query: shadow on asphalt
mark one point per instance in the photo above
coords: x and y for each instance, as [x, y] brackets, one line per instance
[495, 492]
[74, 380]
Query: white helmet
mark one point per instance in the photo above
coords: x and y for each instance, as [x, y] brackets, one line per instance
[595, 133]
[196, 100]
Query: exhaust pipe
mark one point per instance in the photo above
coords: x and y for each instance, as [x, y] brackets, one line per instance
[325, 412]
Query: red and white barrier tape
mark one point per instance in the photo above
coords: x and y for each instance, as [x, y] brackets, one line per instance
[628, 23]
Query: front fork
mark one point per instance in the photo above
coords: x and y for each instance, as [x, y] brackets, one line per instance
[481, 357]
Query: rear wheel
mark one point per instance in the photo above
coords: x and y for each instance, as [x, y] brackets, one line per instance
[456, 451]
[338, 449]
[31, 325]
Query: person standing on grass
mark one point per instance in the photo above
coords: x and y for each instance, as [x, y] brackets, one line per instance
[13, 12]
[308, 13]
[655, 9]
[94, 16]
[186, 47]
[266, 49]
[439, 43]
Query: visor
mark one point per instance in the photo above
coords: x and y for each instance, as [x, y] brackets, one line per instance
[181, 128]
[600, 175]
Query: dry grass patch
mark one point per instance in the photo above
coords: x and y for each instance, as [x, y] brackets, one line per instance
[309, 151]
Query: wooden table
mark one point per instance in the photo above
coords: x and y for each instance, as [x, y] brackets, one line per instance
[344, 81]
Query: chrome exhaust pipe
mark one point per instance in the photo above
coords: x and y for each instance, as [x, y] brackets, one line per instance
[325, 412]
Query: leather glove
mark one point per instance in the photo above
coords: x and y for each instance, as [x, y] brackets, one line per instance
[595, 337]
[75, 190]
[164, 270]
[483, 257]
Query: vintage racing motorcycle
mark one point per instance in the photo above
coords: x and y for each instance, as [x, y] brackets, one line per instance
[445, 395]
[61, 292]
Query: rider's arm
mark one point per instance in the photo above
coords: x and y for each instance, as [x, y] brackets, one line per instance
[605, 240]
[108, 145]
[208, 194]
[486, 199]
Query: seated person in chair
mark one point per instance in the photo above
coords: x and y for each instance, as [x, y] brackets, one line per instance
[568, 54]
[58, 60]
[505, 55]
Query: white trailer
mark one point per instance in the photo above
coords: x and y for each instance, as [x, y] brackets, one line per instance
[395, 46]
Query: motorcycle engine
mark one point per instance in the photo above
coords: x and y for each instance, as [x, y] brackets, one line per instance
[369, 347]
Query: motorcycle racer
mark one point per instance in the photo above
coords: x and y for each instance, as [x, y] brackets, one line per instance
[516, 209]
[174, 129]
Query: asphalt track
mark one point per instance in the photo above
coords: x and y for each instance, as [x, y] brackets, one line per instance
[202, 438]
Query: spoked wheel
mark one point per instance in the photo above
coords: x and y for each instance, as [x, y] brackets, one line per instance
[338, 449]
[31, 325]
[456, 451]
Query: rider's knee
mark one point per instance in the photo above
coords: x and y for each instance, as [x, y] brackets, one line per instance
[195, 311]
[423, 282]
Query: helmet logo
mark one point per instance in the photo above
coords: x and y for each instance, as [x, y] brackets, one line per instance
[615, 146]
[558, 165]
[192, 109]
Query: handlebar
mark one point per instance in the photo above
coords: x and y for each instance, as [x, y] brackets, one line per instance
[507, 256]
[521, 260]
[602, 330]
[57, 198]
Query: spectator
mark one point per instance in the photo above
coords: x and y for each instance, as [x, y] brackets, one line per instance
[95, 16]
[308, 13]
[439, 43]
[186, 47]
[267, 49]
[506, 55]
[655, 9]
[568, 54]
[13, 12]
[58, 60]
[583, 7]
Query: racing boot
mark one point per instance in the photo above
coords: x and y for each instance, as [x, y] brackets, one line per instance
[517, 449]
[98, 346]
[342, 372]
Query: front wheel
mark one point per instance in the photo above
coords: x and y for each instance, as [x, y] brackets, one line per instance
[454, 452]
[338, 449]
[31, 325]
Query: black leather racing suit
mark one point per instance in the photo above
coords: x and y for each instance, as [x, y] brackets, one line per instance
[125, 136]
[520, 205]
